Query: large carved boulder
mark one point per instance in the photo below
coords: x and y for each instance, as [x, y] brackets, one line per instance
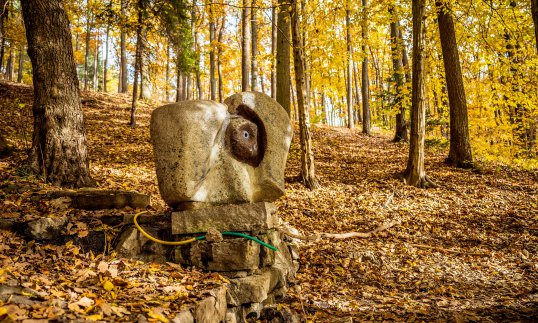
[221, 153]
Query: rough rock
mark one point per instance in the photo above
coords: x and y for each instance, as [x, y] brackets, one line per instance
[254, 288]
[213, 308]
[227, 255]
[46, 228]
[183, 317]
[210, 152]
[243, 217]
[93, 199]
[132, 244]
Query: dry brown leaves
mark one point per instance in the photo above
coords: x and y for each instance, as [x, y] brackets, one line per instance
[467, 250]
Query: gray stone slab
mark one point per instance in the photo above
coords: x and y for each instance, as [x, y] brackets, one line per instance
[241, 217]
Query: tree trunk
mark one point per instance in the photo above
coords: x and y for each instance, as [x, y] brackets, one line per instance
[357, 93]
[349, 72]
[460, 148]
[273, 50]
[398, 75]
[138, 61]
[534, 10]
[219, 60]
[3, 15]
[283, 81]
[87, 55]
[123, 53]
[145, 80]
[366, 121]
[415, 174]
[179, 88]
[245, 45]
[9, 65]
[212, 59]
[196, 51]
[95, 76]
[59, 140]
[307, 156]
[254, 48]
[105, 64]
[21, 64]
[167, 74]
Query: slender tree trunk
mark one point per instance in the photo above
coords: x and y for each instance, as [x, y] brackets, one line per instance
[196, 51]
[21, 64]
[138, 61]
[167, 74]
[245, 45]
[3, 15]
[534, 10]
[105, 64]
[415, 173]
[59, 140]
[87, 56]
[123, 85]
[273, 50]
[179, 95]
[254, 48]
[212, 52]
[95, 76]
[366, 121]
[145, 78]
[357, 92]
[349, 67]
[283, 80]
[460, 148]
[398, 75]
[307, 156]
[219, 60]
[9, 65]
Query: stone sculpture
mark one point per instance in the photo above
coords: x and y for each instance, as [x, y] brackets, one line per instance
[221, 153]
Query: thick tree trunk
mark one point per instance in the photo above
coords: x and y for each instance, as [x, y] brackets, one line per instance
[273, 50]
[307, 156]
[460, 148]
[254, 48]
[398, 75]
[245, 45]
[105, 64]
[59, 140]
[21, 64]
[349, 71]
[283, 81]
[415, 173]
[122, 88]
[366, 121]
[87, 55]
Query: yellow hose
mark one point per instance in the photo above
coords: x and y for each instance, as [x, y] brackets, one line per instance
[147, 235]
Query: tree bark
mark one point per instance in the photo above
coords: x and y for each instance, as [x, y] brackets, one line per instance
[95, 76]
[254, 48]
[196, 51]
[245, 46]
[3, 15]
[349, 70]
[415, 173]
[21, 64]
[122, 88]
[9, 65]
[283, 80]
[398, 75]
[105, 64]
[167, 74]
[87, 55]
[307, 156]
[212, 59]
[59, 139]
[273, 50]
[145, 80]
[219, 60]
[460, 148]
[366, 121]
[138, 61]
[534, 10]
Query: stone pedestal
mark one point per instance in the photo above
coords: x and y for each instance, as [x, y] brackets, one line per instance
[258, 276]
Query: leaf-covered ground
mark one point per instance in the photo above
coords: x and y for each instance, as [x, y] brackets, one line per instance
[467, 250]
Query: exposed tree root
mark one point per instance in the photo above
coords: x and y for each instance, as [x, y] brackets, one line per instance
[338, 236]
[459, 252]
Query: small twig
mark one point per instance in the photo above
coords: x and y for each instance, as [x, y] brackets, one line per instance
[389, 200]
[423, 246]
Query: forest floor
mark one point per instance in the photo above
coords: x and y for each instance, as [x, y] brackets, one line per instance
[465, 251]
